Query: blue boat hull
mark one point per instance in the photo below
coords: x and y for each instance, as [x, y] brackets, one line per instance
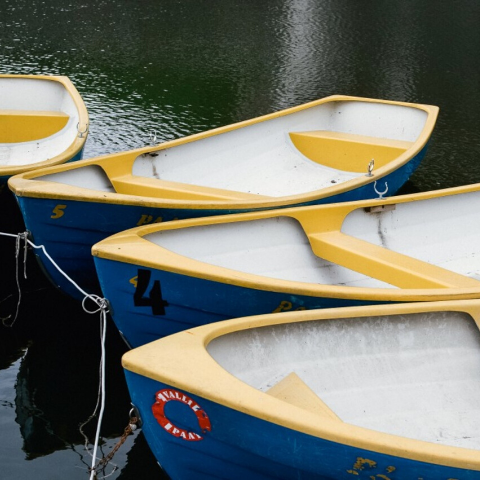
[234, 445]
[187, 302]
[68, 229]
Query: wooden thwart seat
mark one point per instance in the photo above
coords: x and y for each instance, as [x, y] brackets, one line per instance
[29, 125]
[294, 390]
[383, 264]
[347, 151]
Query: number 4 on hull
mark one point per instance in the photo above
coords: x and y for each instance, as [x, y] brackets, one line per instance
[154, 299]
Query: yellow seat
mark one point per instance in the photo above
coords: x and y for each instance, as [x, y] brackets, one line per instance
[294, 390]
[384, 264]
[18, 126]
[346, 151]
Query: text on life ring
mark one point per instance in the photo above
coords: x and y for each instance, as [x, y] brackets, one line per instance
[166, 395]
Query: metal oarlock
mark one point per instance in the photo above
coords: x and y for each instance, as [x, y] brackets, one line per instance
[80, 132]
[380, 194]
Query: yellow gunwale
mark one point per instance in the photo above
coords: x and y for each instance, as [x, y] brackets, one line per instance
[177, 353]
[74, 148]
[120, 166]
[429, 282]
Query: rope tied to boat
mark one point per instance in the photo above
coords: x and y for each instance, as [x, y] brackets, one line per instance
[22, 236]
[18, 246]
[102, 304]
[102, 307]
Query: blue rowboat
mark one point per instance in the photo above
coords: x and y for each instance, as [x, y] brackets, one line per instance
[384, 392]
[43, 122]
[335, 149]
[163, 278]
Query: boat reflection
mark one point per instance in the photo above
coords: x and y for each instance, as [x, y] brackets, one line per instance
[57, 381]
[56, 392]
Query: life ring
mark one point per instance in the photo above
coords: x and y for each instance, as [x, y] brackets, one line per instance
[162, 397]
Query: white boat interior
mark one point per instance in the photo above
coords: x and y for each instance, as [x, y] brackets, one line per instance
[412, 375]
[38, 120]
[440, 234]
[89, 176]
[268, 158]
[273, 247]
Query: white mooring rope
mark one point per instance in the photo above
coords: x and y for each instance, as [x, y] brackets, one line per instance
[102, 305]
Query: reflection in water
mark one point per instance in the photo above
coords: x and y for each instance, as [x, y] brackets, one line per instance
[10, 349]
[50, 422]
[57, 383]
[37, 432]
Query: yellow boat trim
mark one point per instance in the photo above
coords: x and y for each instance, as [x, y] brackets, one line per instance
[75, 147]
[130, 189]
[170, 361]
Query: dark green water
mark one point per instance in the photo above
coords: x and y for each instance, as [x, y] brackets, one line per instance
[180, 67]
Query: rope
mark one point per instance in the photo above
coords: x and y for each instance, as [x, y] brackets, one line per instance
[102, 307]
[103, 331]
[25, 235]
[18, 239]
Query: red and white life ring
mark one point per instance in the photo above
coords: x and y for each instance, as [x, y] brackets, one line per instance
[162, 397]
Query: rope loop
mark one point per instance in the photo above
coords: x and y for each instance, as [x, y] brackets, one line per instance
[100, 302]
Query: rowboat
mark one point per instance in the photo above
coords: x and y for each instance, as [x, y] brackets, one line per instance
[163, 278]
[384, 392]
[334, 149]
[43, 122]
